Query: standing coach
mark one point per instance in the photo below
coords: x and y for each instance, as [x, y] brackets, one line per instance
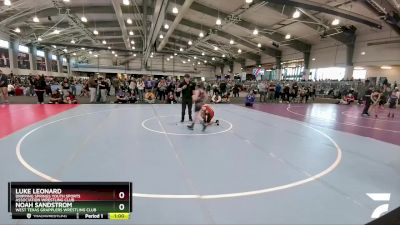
[187, 87]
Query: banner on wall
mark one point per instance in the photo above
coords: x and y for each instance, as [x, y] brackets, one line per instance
[23, 61]
[40, 63]
[4, 58]
[258, 72]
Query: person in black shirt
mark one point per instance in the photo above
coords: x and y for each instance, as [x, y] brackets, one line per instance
[367, 99]
[187, 87]
[103, 89]
[4, 86]
[40, 87]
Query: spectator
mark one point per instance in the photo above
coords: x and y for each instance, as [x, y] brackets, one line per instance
[70, 98]
[92, 83]
[40, 88]
[262, 91]
[162, 87]
[171, 98]
[65, 87]
[250, 99]
[150, 97]
[122, 97]
[11, 90]
[103, 90]
[4, 86]
[56, 98]
[140, 87]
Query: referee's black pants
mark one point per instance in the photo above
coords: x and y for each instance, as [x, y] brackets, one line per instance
[188, 103]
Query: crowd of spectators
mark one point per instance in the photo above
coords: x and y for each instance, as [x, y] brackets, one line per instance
[147, 89]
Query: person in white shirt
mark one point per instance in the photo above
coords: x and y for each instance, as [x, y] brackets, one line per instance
[261, 90]
[140, 87]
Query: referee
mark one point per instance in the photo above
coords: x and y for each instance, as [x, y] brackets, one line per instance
[187, 87]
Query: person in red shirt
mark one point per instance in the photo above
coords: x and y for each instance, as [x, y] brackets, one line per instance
[70, 98]
[207, 114]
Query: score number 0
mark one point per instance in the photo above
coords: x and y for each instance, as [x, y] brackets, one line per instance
[121, 195]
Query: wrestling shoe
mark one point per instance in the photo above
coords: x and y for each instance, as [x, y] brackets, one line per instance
[217, 122]
[190, 127]
[204, 126]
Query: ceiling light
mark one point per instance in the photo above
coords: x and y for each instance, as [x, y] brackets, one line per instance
[203, 53]
[109, 47]
[73, 41]
[129, 21]
[223, 55]
[313, 59]
[259, 45]
[90, 52]
[287, 36]
[95, 32]
[358, 68]
[183, 62]
[249, 1]
[218, 22]
[362, 53]
[181, 49]
[215, 48]
[167, 59]
[17, 30]
[386, 67]
[83, 48]
[84, 19]
[205, 61]
[131, 33]
[65, 50]
[175, 10]
[104, 42]
[161, 36]
[36, 19]
[56, 31]
[54, 46]
[96, 56]
[65, 0]
[125, 2]
[296, 14]
[74, 53]
[7, 2]
[116, 55]
[190, 42]
[201, 34]
[166, 26]
[335, 22]
[198, 63]
[133, 42]
[231, 42]
[175, 53]
[39, 39]
[188, 60]
[239, 50]
[133, 47]
[195, 57]
[212, 58]
[112, 52]
[134, 55]
[255, 31]
[171, 57]
[151, 56]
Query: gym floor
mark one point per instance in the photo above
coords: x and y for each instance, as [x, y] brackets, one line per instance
[273, 164]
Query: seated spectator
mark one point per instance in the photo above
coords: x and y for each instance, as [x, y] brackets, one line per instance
[347, 99]
[149, 97]
[132, 98]
[226, 98]
[216, 98]
[55, 98]
[19, 91]
[70, 98]
[250, 99]
[11, 89]
[122, 97]
[171, 98]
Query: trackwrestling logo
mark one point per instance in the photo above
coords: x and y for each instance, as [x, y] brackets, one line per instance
[382, 209]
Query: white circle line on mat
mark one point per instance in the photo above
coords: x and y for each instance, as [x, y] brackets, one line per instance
[183, 134]
[182, 196]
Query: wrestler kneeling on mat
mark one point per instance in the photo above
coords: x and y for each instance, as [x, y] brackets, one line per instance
[207, 115]
[199, 98]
